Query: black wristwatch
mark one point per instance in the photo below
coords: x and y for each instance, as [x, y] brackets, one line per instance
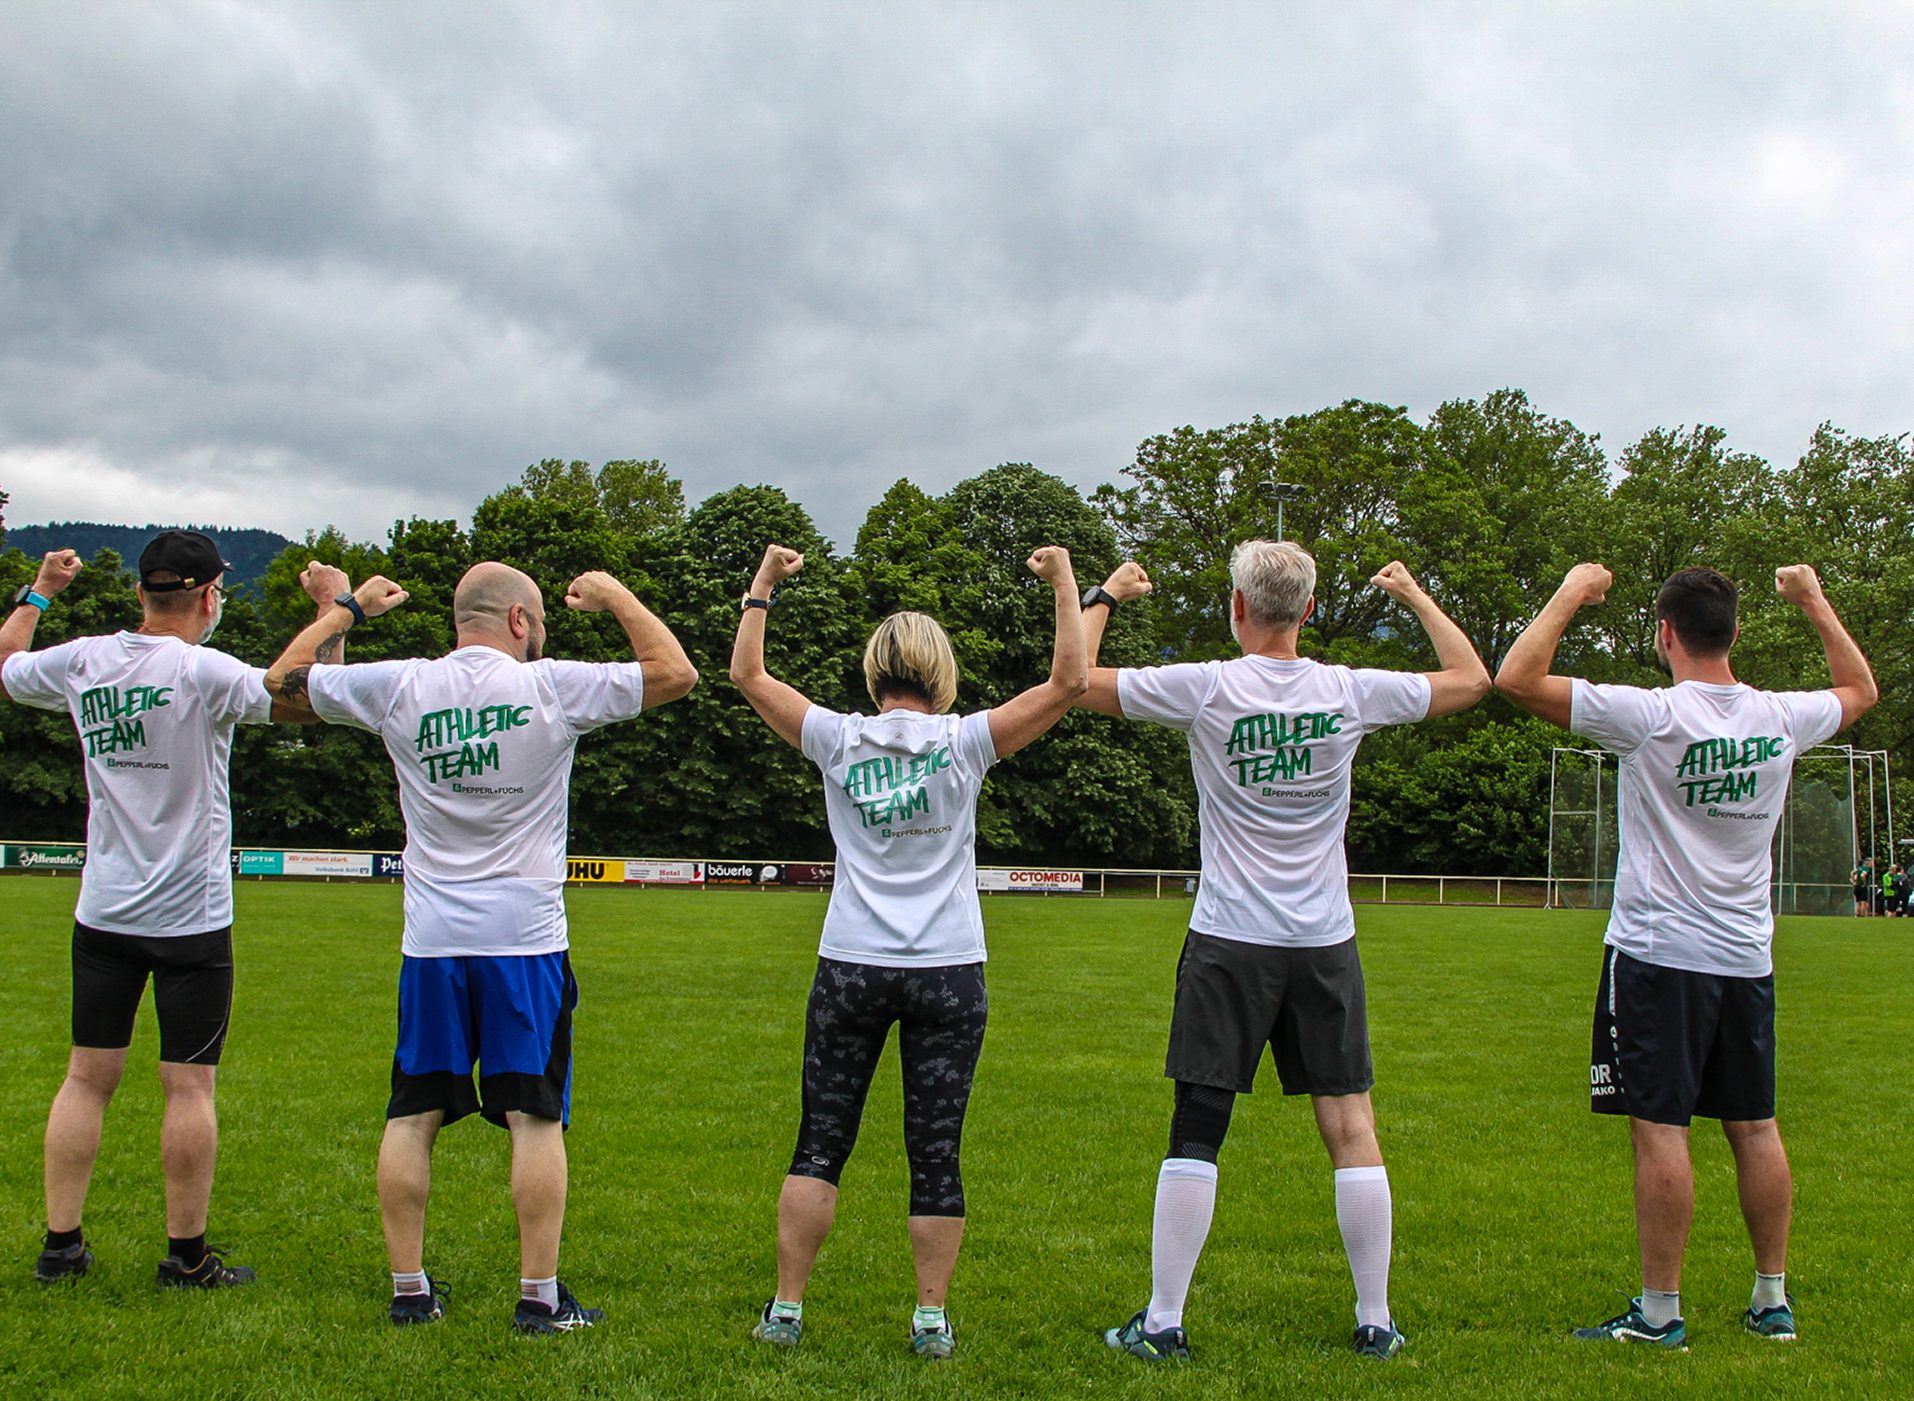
[351, 605]
[1096, 594]
[749, 602]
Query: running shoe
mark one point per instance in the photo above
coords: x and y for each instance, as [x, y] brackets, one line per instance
[68, 1262]
[429, 1307]
[1382, 1343]
[934, 1343]
[531, 1316]
[1631, 1327]
[212, 1272]
[1776, 1324]
[778, 1329]
[1170, 1345]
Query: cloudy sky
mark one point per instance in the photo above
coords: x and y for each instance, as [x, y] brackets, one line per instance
[290, 264]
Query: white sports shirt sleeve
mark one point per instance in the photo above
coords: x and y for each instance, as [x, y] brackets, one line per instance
[482, 745]
[155, 719]
[1704, 780]
[900, 794]
[1271, 745]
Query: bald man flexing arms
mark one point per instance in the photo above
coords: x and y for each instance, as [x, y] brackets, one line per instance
[482, 740]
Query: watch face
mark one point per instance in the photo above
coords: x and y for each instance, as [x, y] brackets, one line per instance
[21, 597]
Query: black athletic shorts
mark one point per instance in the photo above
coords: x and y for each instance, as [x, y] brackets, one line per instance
[1306, 1005]
[1670, 1045]
[192, 990]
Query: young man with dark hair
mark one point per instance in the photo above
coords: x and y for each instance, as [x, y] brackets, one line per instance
[1684, 1014]
[155, 712]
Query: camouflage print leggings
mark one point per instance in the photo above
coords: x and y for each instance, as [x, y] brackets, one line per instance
[940, 1013]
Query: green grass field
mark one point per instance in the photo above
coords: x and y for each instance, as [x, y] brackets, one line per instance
[1512, 1201]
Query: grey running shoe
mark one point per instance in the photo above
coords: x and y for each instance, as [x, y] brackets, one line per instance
[1776, 1324]
[777, 1329]
[934, 1343]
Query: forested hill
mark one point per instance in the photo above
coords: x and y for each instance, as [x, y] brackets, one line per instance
[249, 551]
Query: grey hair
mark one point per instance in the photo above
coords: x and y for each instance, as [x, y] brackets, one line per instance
[1277, 579]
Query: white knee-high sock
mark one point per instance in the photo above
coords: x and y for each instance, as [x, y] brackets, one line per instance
[1366, 1216]
[1185, 1202]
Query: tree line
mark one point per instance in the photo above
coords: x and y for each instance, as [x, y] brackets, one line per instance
[1489, 501]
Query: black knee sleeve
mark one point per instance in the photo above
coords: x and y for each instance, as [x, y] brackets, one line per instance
[1200, 1121]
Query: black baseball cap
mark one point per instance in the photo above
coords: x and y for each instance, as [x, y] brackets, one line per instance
[183, 559]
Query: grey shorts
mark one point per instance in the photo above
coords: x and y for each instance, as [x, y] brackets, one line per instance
[1306, 1005]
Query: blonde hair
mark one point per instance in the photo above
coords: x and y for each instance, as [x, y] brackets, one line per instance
[910, 652]
[1277, 579]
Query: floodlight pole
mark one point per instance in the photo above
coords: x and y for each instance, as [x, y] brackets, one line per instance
[1279, 492]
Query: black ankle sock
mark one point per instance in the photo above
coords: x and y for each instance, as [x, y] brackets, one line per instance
[64, 1240]
[188, 1250]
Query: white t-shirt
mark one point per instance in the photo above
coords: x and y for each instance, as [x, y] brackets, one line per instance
[155, 717]
[900, 792]
[1271, 742]
[1704, 778]
[483, 748]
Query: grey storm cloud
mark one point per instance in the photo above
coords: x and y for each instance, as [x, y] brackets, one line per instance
[298, 264]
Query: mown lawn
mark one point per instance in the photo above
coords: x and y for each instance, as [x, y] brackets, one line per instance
[1512, 1201]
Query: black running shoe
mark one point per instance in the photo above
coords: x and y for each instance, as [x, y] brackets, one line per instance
[210, 1273]
[428, 1307]
[68, 1262]
[533, 1317]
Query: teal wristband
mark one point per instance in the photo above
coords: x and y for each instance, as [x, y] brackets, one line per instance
[29, 596]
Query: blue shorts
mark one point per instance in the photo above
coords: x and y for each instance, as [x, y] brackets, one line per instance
[511, 1016]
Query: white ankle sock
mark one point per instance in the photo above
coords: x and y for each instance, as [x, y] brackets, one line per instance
[1366, 1216]
[543, 1290]
[408, 1284]
[929, 1316]
[1185, 1202]
[1770, 1291]
[1660, 1307]
[788, 1308]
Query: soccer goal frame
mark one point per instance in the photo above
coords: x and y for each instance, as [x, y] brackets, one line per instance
[1840, 807]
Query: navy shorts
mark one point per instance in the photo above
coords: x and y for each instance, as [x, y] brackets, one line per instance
[509, 1016]
[1670, 1045]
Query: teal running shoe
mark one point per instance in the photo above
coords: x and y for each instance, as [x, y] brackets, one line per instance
[777, 1329]
[934, 1343]
[1170, 1345]
[1775, 1324]
[1379, 1343]
[1631, 1327]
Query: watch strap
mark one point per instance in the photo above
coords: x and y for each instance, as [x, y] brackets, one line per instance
[351, 605]
[1096, 594]
[750, 602]
[27, 595]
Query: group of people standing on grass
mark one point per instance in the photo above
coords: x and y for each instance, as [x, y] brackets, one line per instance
[482, 741]
[1881, 888]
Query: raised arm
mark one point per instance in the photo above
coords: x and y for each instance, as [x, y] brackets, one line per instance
[1128, 582]
[323, 641]
[1028, 714]
[1525, 676]
[1853, 678]
[1463, 680]
[668, 672]
[781, 706]
[57, 569]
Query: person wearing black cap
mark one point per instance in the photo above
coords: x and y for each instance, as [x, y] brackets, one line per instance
[155, 713]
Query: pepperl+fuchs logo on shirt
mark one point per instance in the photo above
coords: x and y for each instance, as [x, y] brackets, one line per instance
[1275, 746]
[458, 743]
[111, 717]
[1715, 771]
[888, 789]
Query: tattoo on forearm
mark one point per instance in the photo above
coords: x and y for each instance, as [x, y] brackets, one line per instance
[293, 687]
[328, 650]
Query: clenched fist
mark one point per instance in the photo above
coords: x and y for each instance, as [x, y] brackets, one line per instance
[1051, 563]
[1127, 582]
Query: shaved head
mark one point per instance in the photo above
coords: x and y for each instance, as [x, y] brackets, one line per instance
[482, 610]
[488, 591]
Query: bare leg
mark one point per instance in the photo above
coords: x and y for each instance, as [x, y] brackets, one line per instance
[934, 1242]
[538, 1191]
[1766, 1187]
[1664, 1201]
[405, 1181]
[1347, 1124]
[73, 1131]
[806, 1208]
[189, 1144]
